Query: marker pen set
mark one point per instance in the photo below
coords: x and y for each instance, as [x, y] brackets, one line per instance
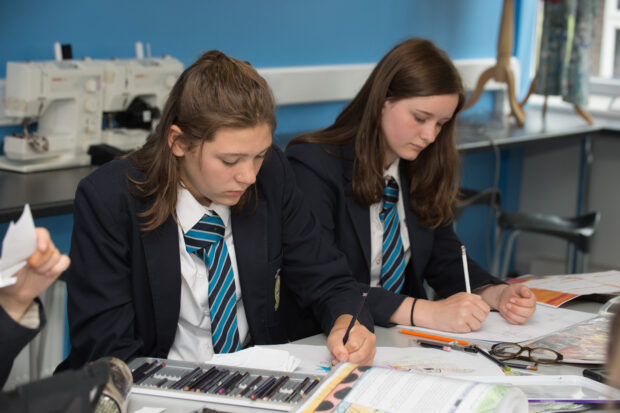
[190, 380]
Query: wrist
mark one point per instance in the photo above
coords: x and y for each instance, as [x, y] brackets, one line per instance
[14, 308]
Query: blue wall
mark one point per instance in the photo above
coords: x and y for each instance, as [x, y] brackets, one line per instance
[267, 33]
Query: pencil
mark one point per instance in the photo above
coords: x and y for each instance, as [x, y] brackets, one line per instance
[465, 269]
[279, 383]
[522, 366]
[426, 344]
[312, 385]
[232, 383]
[150, 373]
[262, 389]
[493, 359]
[433, 337]
[249, 386]
[297, 389]
[357, 314]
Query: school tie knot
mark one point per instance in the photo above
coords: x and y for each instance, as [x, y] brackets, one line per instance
[390, 195]
[208, 231]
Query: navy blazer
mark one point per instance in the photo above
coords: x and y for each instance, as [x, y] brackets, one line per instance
[324, 174]
[124, 284]
[13, 338]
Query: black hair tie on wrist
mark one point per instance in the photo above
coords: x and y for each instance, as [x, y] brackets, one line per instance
[412, 307]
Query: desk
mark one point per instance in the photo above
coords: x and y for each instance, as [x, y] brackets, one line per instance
[386, 337]
[48, 193]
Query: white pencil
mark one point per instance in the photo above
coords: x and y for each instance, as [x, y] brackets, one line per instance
[465, 269]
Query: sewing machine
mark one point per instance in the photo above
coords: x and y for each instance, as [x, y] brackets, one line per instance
[135, 91]
[68, 100]
[65, 99]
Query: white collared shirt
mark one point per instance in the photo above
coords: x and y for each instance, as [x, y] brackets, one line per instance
[192, 341]
[376, 228]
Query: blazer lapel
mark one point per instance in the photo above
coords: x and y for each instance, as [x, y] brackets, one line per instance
[360, 216]
[163, 263]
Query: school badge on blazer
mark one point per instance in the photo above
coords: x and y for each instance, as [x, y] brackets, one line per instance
[276, 291]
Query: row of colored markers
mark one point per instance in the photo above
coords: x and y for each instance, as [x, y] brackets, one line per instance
[221, 381]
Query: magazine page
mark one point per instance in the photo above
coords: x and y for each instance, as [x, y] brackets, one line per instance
[351, 388]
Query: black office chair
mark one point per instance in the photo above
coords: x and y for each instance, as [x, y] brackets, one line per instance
[577, 231]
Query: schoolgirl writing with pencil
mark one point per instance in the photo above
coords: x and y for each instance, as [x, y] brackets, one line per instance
[200, 242]
[382, 180]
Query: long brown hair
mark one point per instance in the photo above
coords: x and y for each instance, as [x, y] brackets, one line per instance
[413, 68]
[215, 92]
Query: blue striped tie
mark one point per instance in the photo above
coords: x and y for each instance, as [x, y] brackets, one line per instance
[393, 262]
[206, 238]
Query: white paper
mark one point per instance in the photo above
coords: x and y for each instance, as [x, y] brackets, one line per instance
[317, 360]
[19, 243]
[495, 328]
[258, 357]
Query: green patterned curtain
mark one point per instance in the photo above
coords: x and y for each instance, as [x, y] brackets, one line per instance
[564, 61]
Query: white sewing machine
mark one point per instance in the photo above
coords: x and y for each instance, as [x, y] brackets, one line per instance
[65, 99]
[134, 93]
[68, 100]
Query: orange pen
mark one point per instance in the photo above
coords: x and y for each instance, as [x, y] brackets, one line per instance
[432, 337]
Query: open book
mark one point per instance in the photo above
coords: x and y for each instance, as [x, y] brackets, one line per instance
[353, 388]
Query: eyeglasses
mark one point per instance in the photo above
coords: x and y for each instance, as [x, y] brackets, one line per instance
[540, 355]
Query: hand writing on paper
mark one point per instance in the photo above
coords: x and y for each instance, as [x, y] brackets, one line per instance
[517, 303]
[44, 266]
[360, 347]
[459, 313]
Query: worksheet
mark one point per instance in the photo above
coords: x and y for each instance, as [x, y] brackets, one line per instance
[496, 329]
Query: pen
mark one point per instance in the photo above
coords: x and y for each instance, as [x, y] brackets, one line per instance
[522, 366]
[465, 269]
[297, 389]
[433, 345]
[249, 386]
[433, 337]
[312, 385]
[357, 314]
[493, 359]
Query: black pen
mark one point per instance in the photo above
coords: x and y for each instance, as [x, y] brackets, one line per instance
[446, 347]
[357, 314]
[279, 383]
[297, 389]
[312, 385]
[493, 359]
[249, 386]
